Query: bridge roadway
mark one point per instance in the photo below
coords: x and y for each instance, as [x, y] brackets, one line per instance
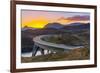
[42, 45]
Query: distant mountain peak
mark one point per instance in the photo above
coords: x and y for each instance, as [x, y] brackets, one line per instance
[76, 24]
[54, 25]
[27, 28]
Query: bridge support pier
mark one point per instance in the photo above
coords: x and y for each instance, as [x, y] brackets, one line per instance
[36, 49]
[48, 51]
[42, 50]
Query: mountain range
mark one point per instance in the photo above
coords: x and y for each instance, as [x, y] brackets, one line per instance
[72, 26]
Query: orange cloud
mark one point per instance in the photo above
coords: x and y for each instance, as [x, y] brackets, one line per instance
[80, 18]
[83, 19]
[63, 20]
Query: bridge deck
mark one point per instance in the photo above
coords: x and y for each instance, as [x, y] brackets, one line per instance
[43, 44]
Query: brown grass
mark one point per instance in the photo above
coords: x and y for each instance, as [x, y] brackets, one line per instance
[76, 54]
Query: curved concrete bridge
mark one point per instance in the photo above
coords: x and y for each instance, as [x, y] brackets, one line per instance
[42, 45]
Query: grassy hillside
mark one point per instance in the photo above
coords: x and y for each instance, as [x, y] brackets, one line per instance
[76, 54]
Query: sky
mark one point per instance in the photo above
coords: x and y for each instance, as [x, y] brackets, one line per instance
[38, 19]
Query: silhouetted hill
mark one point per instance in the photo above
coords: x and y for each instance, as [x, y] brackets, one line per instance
[77, 26]
[72, 26]
[54, 25]
[28, 28]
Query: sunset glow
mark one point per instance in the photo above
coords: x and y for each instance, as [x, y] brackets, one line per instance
[38, 19]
